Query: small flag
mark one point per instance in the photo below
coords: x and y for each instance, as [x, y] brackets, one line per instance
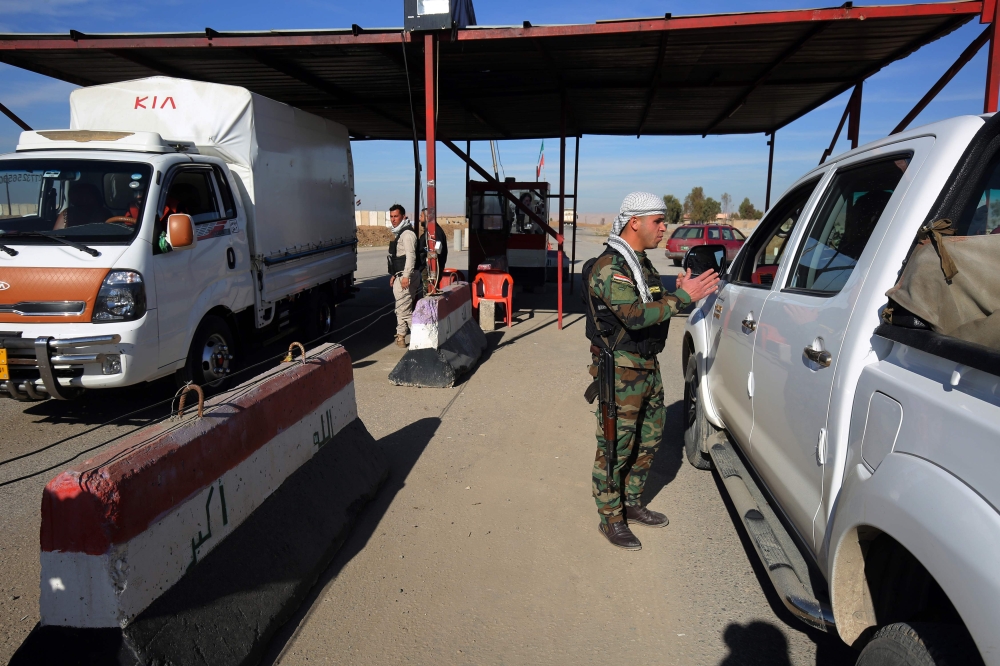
[541, 162]
[358, 203]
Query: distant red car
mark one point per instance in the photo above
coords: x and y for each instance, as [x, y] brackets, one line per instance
[687, 236]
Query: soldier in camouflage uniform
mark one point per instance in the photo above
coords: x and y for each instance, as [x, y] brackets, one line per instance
[631, 312]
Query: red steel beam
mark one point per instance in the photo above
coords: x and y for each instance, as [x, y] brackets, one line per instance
[993, 67]
[430, 115]
[731, 20]
[968, 54]
[46, 42]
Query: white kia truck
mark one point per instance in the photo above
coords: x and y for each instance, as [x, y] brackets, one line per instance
[173, 223]
[859, 442]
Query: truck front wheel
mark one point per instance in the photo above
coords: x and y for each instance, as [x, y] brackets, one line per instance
[696, 426]
[920, 644]
[210, 359]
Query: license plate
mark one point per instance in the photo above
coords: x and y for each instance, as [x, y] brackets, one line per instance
[685, 247]
[4, 374]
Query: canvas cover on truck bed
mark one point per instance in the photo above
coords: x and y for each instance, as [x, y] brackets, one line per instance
[294, 169]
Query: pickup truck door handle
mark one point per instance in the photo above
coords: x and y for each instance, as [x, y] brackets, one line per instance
[749, 323]
[819, 356]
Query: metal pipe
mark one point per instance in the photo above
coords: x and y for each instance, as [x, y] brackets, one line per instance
[17, 121]
[562, 205]
[968, 54]
[576, 180]
[770, 168]
[430, 85]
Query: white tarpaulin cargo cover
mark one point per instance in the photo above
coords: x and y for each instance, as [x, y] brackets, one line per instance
[295, 167]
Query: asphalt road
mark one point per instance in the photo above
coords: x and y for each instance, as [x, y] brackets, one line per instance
[482, 547]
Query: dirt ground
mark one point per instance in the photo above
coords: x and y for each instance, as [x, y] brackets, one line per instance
[482, 547]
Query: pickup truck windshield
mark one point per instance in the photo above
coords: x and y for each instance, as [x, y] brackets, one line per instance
[87, 201]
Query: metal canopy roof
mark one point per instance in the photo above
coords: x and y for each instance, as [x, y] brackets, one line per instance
[713, 74]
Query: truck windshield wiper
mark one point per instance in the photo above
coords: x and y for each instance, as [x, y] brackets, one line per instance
[9, 250]
[65, 241]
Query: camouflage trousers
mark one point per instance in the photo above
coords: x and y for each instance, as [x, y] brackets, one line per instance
[639, 396]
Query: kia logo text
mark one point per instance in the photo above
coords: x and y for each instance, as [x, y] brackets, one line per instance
[140, 103]
[4, 286]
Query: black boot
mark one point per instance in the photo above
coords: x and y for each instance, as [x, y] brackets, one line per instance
[620, 535]
[640, 515]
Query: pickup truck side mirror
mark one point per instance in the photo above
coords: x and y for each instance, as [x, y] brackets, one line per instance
[702, 258]
[180, 232]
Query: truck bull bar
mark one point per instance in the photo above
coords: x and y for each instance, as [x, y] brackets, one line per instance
[44, 354]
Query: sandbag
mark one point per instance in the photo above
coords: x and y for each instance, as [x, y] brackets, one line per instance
[966, 307]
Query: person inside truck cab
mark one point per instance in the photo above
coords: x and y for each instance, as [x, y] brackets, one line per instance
[85, 207]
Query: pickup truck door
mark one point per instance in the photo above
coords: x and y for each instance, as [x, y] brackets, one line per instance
[802, 329]
[737, 311]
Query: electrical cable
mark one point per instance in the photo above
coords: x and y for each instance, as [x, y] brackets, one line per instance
[171, 399]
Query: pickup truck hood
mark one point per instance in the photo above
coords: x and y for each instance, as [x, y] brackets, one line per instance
[52, 283]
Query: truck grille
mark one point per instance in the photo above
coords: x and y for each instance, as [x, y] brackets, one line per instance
[44, 308]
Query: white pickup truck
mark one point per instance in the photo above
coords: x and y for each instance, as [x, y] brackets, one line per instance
[862, 456]
[173, 223]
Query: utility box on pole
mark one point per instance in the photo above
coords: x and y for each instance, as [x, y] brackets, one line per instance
[437, 14]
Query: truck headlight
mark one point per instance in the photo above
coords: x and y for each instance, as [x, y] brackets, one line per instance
[122, 298]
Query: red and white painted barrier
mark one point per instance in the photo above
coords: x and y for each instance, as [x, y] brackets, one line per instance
[121, 528]
[445, 341]
[438, 317]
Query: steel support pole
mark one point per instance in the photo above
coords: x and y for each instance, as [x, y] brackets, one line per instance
[468, 212]
[562, 206]
[770, 168]
[576, 198]
[430, 118]
[17, 121]
[854, 124]
[992, 70]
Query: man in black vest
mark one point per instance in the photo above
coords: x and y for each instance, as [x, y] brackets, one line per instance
[404, 278]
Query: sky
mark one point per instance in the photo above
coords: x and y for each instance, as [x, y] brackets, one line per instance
[610, 167]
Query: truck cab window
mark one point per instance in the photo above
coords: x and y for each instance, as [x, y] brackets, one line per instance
[760, 259]
[192, 192]
[843, 224]
[981, 215]
[228, 204]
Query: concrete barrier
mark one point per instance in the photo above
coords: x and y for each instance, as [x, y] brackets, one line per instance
[206, 525]
[445, 341]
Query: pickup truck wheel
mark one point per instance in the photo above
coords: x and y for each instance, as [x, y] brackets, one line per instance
[210, 359]
[696, 426]
[320, 315]
[920, 644]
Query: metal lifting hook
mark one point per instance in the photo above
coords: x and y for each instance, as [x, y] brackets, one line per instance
[201, 400]
[288, 357]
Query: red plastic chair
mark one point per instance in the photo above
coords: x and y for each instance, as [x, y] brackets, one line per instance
[495, 286]
[451, 276]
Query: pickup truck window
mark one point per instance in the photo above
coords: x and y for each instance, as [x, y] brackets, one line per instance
[90, 201]
[981, 215]
[689, 232]
[843, 223]
[759, 261]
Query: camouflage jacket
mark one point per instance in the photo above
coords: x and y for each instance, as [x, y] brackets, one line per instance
[611, 281]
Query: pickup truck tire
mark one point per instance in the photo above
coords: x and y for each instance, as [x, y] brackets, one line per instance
[204, 367]
[920, 644]
[320, 314]
[696, 427]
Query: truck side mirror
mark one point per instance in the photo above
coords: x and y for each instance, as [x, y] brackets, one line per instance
[180, 232]
[702, 258]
